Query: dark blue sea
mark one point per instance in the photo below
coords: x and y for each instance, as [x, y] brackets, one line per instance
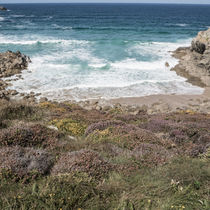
[83, 51]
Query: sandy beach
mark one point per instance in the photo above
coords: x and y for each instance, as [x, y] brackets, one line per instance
[167, 103]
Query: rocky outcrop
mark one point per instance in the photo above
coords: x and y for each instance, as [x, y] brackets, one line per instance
[194, 61]
[201, 42]
[3, 8]
[11, 63]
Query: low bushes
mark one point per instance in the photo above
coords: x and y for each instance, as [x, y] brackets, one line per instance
[21, 162]
[102, 125]
[82, 161]
[136, 161]
[13, 111]
[70, 126]
[151, 154]
[27, 135]
[125, 135]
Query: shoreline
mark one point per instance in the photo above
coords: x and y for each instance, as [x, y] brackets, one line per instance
[193, 64]
[159, 103]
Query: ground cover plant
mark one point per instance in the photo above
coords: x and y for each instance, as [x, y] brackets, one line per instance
[61, 156]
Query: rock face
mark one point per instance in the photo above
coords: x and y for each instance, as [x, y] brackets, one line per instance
[202, 42]
[12, 63]
[198, 47]
[3, 8]
[194, 61]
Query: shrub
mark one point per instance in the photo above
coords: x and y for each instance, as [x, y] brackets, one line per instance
[55, 107]
[102, 125]
[27, 135]
[151, 154]
[158, 124]
[135, 119]
[86, 161]
[21, 162]
[19, 111]
[70, 126]
[126, 136]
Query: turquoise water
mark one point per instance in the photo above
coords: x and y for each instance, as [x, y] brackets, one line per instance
[82, 51]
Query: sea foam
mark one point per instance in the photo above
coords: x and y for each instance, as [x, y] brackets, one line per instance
[77, 73]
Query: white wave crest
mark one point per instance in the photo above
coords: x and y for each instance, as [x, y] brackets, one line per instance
[56, 26]
[182, 24]
[2, 19]
[16, 41]
[16, 16]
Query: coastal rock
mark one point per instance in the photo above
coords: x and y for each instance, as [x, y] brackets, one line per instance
[3, 8]
[201, 42]
[167, 64]
[198, 47]
[194, 61]
[12, 63]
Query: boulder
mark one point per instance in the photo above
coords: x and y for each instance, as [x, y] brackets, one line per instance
[167, 64]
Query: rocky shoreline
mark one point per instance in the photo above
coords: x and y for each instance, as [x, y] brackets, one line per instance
[194, 61]
[194, 64]
[12, 64]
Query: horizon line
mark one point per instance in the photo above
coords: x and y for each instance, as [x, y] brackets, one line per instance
[105, 3]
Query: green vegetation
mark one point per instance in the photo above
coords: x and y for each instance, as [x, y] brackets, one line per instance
[102, 159]
[72, 127]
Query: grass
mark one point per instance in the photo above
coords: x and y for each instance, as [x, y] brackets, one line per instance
[160, 188]
[12, 111]
[110, 160]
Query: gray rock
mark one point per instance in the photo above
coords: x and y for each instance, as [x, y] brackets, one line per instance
[198, 47]
[99, 108]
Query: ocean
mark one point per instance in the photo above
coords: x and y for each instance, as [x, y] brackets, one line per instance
[86, 51]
